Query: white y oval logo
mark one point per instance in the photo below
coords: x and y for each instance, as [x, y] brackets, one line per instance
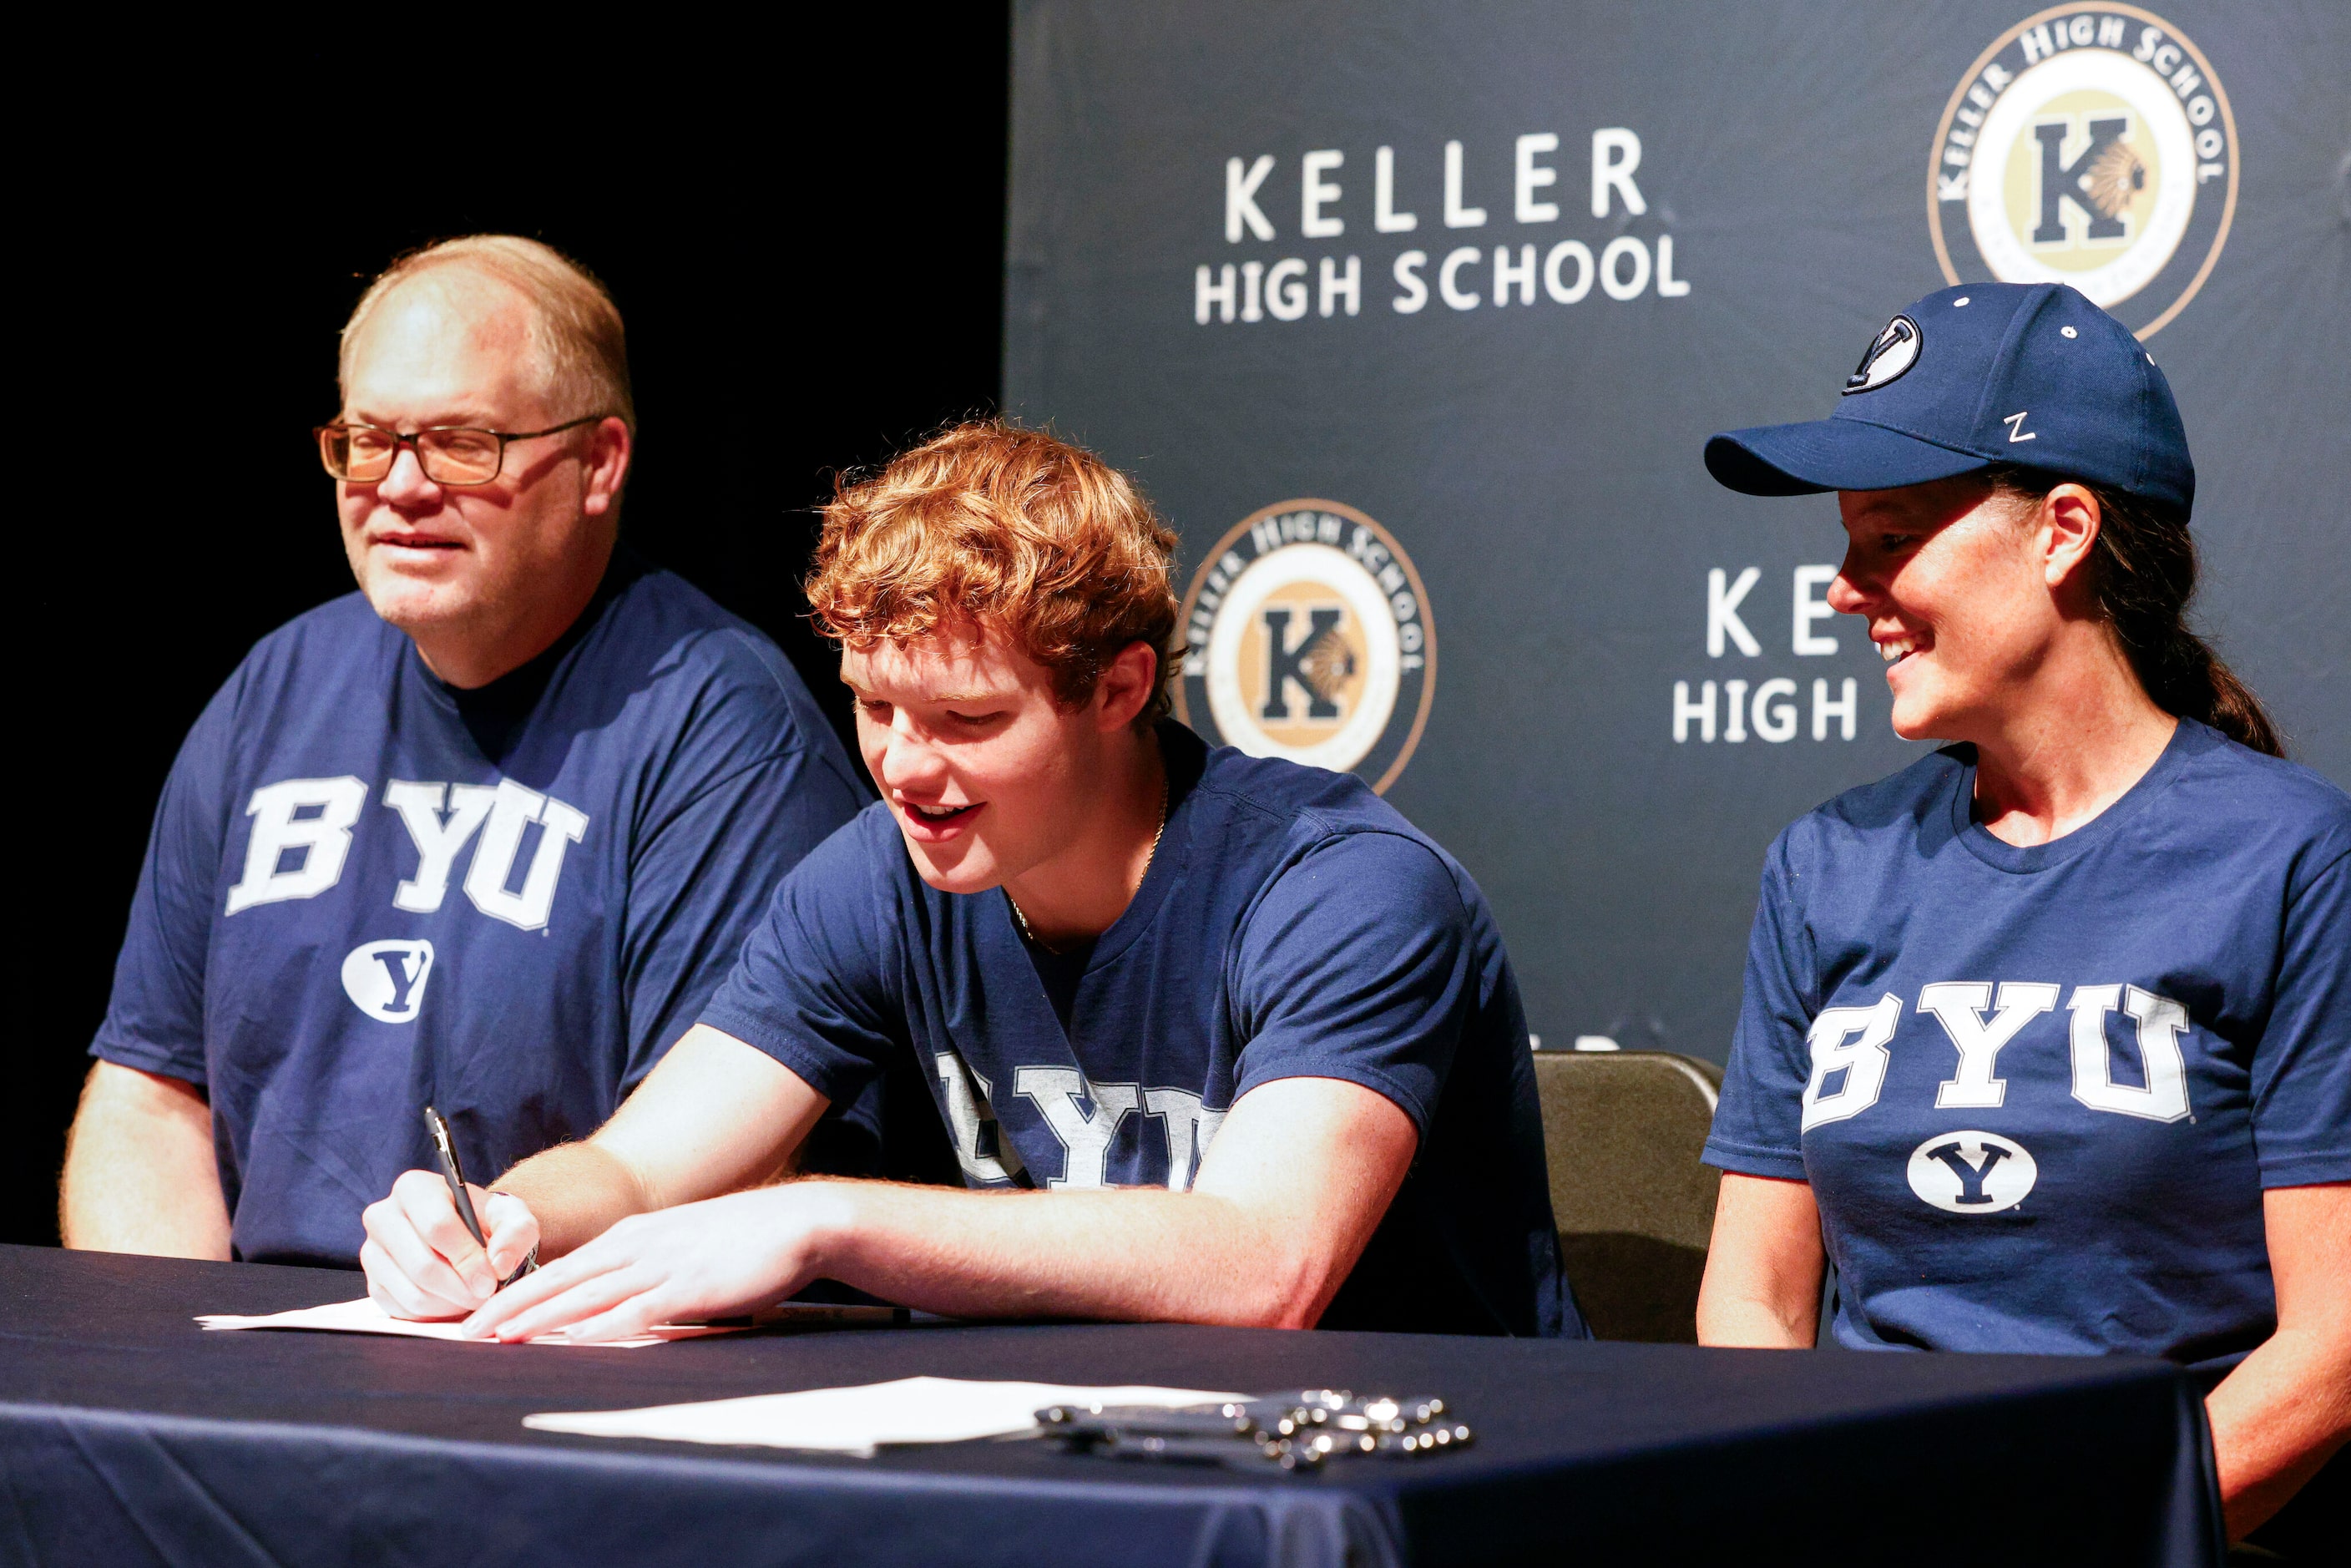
[1890, 353]
[386, 980]
[1972, 1173]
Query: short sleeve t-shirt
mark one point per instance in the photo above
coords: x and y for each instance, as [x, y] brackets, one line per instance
[2039, 1092]
[1291, 925]
[367, 891]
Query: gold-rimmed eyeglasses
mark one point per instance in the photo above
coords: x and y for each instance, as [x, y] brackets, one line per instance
[448, 454]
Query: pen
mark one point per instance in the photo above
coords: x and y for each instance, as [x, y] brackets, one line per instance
[451, 1172]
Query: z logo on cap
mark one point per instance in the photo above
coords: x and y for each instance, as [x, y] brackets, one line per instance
[1890, 353]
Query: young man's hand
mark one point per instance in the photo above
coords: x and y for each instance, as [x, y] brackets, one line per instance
[714, 1259]
[422, 1262]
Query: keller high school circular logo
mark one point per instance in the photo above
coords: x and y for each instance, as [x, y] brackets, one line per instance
[1307, 636]
[2091, 145]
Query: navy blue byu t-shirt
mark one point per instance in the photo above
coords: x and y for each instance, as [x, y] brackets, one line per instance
[2038, 1092]
[367, 891]
[1291, 925]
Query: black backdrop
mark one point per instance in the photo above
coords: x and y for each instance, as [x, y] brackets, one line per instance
[802, 223]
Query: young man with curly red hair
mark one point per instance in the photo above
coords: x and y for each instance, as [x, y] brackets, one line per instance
[1219, 1038]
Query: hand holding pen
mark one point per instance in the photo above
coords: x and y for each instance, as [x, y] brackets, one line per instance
[427, 1253]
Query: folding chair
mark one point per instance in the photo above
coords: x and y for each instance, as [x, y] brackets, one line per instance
[1634, 1206]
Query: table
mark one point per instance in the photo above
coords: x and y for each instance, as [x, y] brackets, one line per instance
[129, 1435]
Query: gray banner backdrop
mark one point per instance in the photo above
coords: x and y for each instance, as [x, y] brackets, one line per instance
[1518, 483]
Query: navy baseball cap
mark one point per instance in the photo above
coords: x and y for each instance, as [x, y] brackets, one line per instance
[2031, 374]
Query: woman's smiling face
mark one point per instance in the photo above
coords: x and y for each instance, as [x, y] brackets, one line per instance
[1956, 586]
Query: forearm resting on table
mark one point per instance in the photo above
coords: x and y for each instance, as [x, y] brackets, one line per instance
[1299, 1178]
[1763, 1267]
[2287, 1408]
[140, 1174]
[1189, 1257]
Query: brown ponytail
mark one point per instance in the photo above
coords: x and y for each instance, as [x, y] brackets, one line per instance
[2144, 567]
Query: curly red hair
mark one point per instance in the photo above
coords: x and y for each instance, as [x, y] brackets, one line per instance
[991, 526]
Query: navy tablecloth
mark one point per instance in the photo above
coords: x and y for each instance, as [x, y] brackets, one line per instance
[129, 1435]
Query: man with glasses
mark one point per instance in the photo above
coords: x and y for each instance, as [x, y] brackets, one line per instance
[484, 835]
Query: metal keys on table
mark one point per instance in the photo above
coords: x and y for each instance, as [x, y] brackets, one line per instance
[1296, 1431]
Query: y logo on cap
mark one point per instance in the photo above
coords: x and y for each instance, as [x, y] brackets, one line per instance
[1889, 354]
[386, 980]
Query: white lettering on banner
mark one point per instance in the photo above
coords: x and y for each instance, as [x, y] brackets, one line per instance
[1385, 217]
[1084, 1133]
[1315, 193]
[1668, 286]
[969, 1116]
[1842, 709]
[1240, 199]
[1626, 266]
[1775, 718]
[1958, 1006]
[1808, 642]
[1573, 250]
[1190, 1126]
[1616, 154]
[514, 807]
[1505, 275]
[1771, 715]
[312, 817]
[1447, 275]
[1334, 285]
[1220, 294]
[1407, 276]
[1285, 289]
[1722, 613]
[1850, 1044]
[1457, 216]
[1619, 248]
[437, 838]
[2164, 1096]
[1701, 710]
[1531, 176]
[1772, 711]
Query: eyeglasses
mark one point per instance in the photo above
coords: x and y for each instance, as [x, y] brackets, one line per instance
[449, 453]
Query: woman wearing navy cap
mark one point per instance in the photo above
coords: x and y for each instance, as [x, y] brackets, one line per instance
[2047, 1038]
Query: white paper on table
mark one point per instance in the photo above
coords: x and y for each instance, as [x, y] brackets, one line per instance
[859, 1420]
[363, 1316]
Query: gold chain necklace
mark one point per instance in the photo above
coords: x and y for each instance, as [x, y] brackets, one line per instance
[1156, 835]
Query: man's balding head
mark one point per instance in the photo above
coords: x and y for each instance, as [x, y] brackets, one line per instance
[576, 347]
[503, 336]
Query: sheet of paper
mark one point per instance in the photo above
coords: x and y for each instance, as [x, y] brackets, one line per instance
[363, 1316]
[859, 1420]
